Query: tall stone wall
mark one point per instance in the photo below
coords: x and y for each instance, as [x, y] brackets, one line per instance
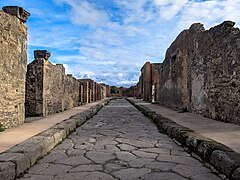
[146, 73]
[200, 72]
[48, 89]
[13, 65]
[155, 80]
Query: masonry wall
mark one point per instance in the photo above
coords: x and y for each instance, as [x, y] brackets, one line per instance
[13, 66]
[146, 81]
[155, 81]
[200, 72]
[48, 89]
[71, 92]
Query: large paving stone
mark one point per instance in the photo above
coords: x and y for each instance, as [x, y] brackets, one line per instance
[205, 176]
[189, 171]
[56, 169]
[85, 176]
[140, 162]
[161, 166]
[143, 154]
[37, 177]
[99, 157]
[125, 156]
[163, 176]
[85, 168]
[156, 150]
[131, 173]
[179, 160]
[73, 161]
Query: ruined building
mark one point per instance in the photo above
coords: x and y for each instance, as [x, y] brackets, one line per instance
[200, 73]
[13, 65]
[39, 88]
[49, 90]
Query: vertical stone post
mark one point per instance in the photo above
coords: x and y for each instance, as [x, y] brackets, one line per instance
[34, 102]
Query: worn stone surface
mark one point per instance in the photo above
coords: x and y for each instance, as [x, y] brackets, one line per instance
[117, 143]
[7, 170]
[13, 67]
[225, 162]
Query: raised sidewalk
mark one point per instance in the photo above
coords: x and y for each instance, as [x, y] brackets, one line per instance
[215, 142]
[13, 136]
[22, 146]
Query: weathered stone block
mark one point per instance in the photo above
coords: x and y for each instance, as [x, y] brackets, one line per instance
[236, 174]
[225, 162]
[7, 171]
[71, 123]
[42, 54]
[19, 12]
[34, 148]
[207, 146]
[21, 161]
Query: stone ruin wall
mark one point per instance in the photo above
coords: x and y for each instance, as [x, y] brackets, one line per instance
[200, 72]
[156, 67]
[13, 65]
[48, 89]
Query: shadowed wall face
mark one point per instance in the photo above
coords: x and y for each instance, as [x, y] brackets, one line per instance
[13, 66]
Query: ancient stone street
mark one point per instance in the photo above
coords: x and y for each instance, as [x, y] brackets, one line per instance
[118, 143]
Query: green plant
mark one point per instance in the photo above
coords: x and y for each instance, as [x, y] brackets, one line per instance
[1, 128]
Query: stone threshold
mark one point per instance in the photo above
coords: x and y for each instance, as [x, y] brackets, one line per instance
[222, 158]
[16, 160]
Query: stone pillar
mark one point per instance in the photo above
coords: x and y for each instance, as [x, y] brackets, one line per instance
[85, 91]
[34, 102]
[95, 91]
[13, 65]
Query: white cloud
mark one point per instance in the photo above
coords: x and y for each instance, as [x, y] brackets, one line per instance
[86, 13]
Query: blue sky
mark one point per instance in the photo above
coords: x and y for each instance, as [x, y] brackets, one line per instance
[110, 40]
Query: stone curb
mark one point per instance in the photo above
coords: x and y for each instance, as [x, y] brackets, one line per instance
[17, 160]
[221, 157]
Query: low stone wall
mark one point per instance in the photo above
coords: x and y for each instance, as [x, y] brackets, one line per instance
[18, 159]
[13, 65]
[222, 158]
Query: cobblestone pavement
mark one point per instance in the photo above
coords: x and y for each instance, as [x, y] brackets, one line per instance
[118, 143]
